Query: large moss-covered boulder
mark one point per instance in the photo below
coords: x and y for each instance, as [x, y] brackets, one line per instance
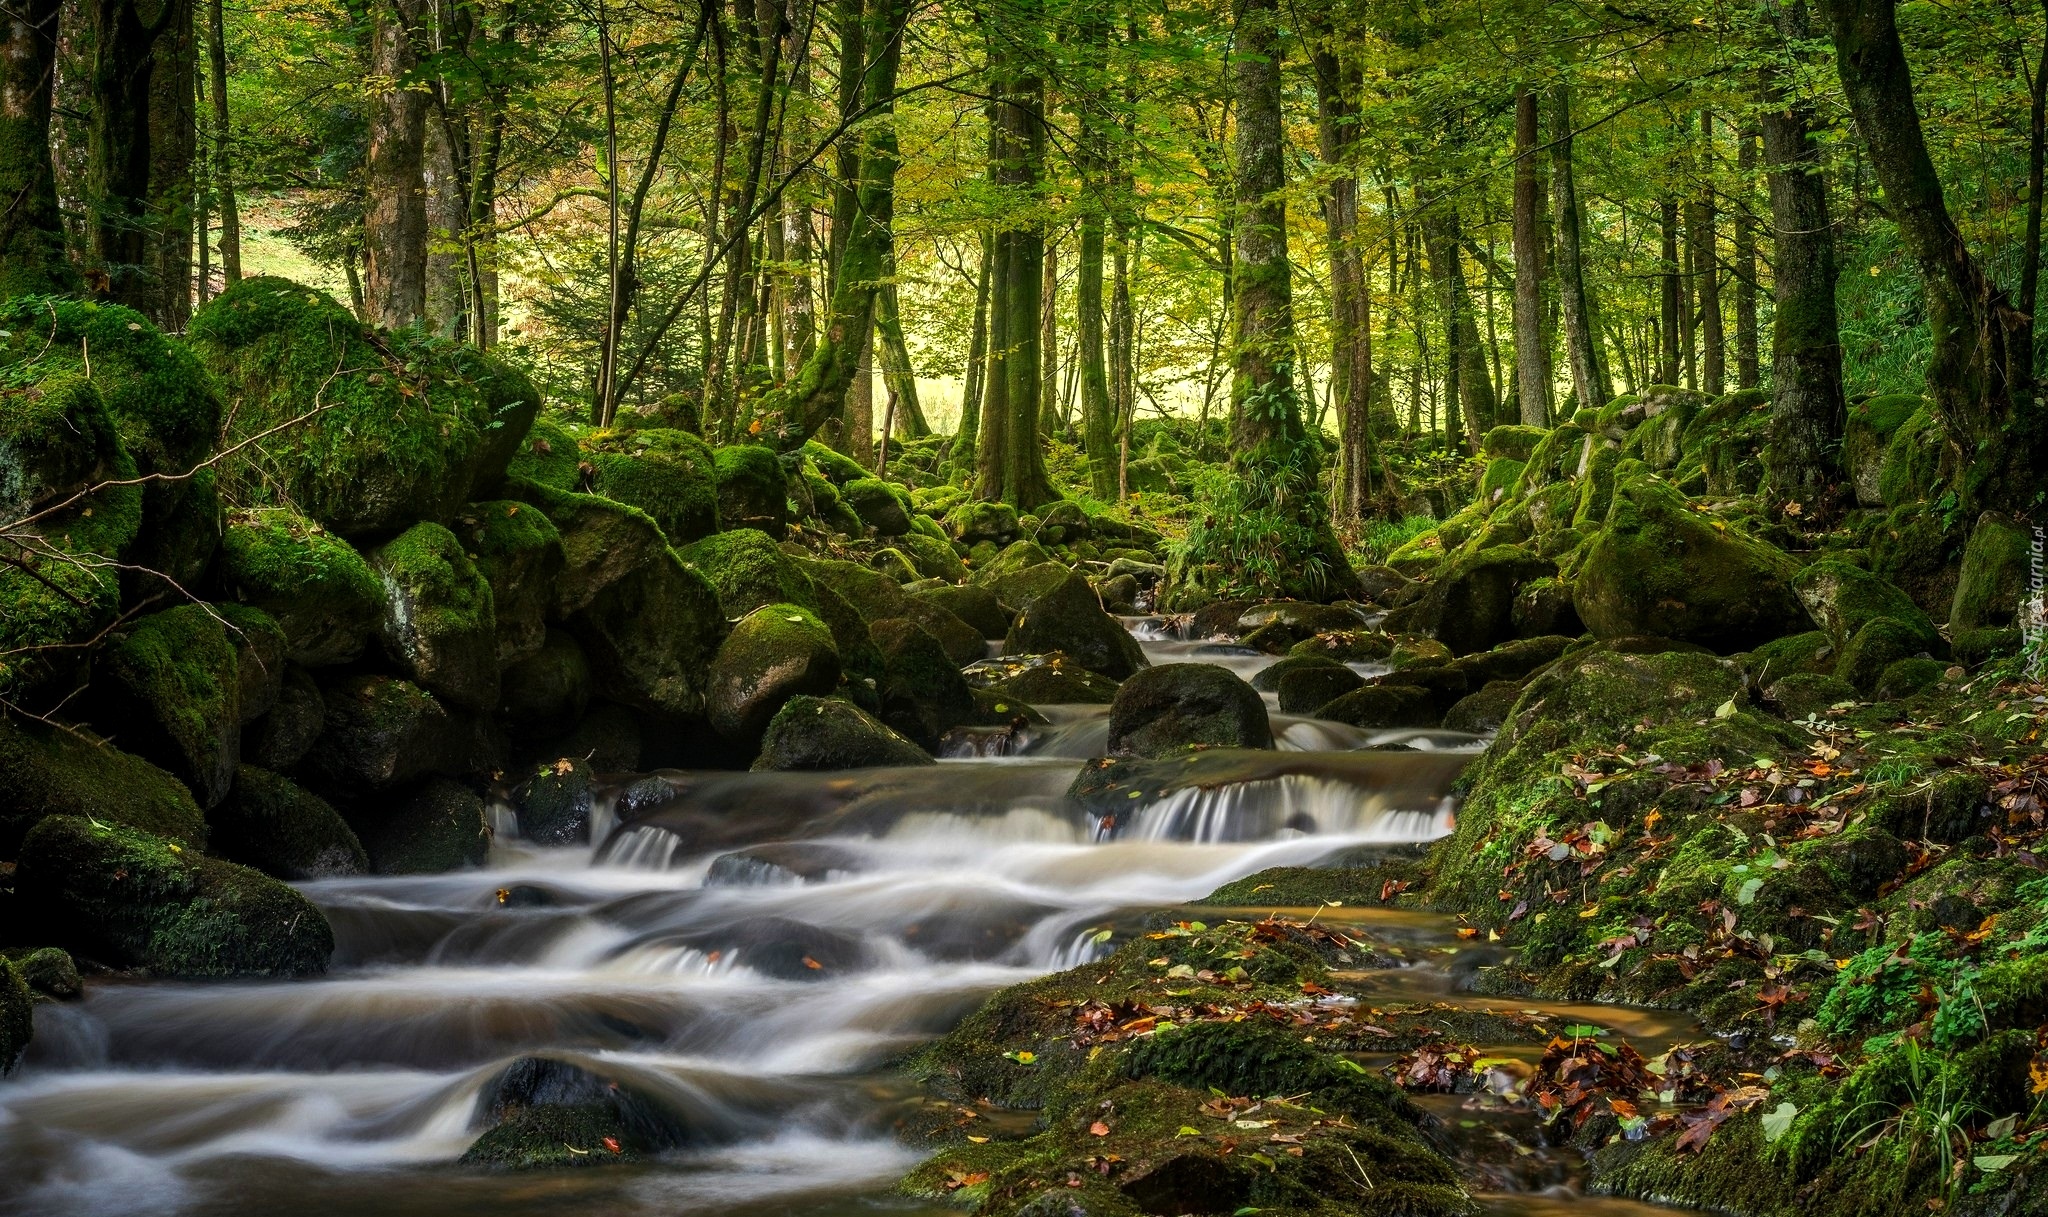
[1880, 643]
[933, 556]
[827, 733]
[977, 521]
[775, 653]
[977, 606]
[172, 686]
[260, 662]
[403, 426]
[382, 732]
[1068, 617]
[555, 801]
[1920, 551]
[439, 825]
[1843, 598]
[873, 594]
[518, 550]
[548, 455]
[651, 635]
[1470, 606]
[875, 502]
[752, 489]
[747, 570]
[439, 628]
[546, 693]
[1658, 568]
[1867, 434]
[318, 589]
[541, 1113]
[602, 541]
[1604, 691]
[280, 737]
[670, 475]
[1014, 559]
[923, 694]
[1050, 680]
[1176, 706]
[1911, 470]
[1997, 568]
[963, 643]
[133, 899]
[58, 771]
[273, 824]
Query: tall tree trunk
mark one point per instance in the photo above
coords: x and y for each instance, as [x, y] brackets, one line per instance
[2037, 160]
[1465, 363]
[447, 216]
[1978, 379]
[1049, 340]
[1705, 232]
[897, 371]
[1123, 373]
[395, 217]
[1670, 293]
[1575, 304]
[1098, 418]
[142, 137]
[860, 404]
[961, 457]
[1532, 348]
[223, 168]
[1807, 408]
[31, 229]
[1748, 372]
[1360, 472]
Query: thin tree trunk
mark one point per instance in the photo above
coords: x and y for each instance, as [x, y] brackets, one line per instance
[897, 371]
[1098, 420]
[1748, 372]
[1359, 468]
[223, 170]
[447, 215]
[1466, 378]
[395, 221]
[1807, 408]
[860, 404]
[1049, 340]
[1670, 293]
[1532, 350]
[962, 455]
[202, 213]
[1707, 262]
[1575, 304]
[31, 229]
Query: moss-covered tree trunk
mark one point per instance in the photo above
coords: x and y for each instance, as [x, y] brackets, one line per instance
[1978, 377]
[961, 456]
[31, 230]
[1670, 292]
[1703, 229]
[1532, 346]
[395, 212]
[1469, 399]
[1575, 303]
[1748, 367]
[1362, 482]
[141, 140]
[897, 370]
[1807, 409]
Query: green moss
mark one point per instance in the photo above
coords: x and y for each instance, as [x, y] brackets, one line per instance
[774, 653]
[48, 771]
[752, 490]
[440, 623]
[1812, 652]
[1879, 644]
[1911, 471]
[51, 972]
[1844, 598]
[1997, 567]
[146, 901]
[272, 824]
[922, 692]
[670, 475]
[322, 594]
[518, 550]
[602, 541]
[549, 455]
[748, 570]
[826, 733]
[173, 682]
[977, 521]
[835, 466]
[438, 827]
[650, 637]
[550, 1136]
[17, 1016]
[410, 426]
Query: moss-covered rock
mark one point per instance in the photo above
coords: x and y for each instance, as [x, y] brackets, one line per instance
[549, 455]
[172, 685]
[1798, 695]
[871, 593]
[1723, 446]
[1382, 706]
[962, 643]
[1881, 642]
[1911, 470]
[46, 771]
[518, 551]
[279, 738]
[1166, 710]
[1016, 558]
[774, 653]
[17, 1016]
[546, 693]
[650, 637]
[1049, 680]
[260, 664]
[408, 427]
[752, 491]
[382, 732]
[318, 589]
[1867, 434]
[1843, 598]
[748, 570]
[602, 541]
[135, 899]
[1997, 567]
[554, 802]
[933, 556]
[977, 606]
[51, 972]
[875, 501]
[542, 1113]
[827, 733]
[271, 823]
[1919, 550]
[1470, 606]
[439, 627]
[1657, 568]
[438, 826]
[670, 475]
[978, 521]
[923, 694]
[1485, 710]
[1067, 617]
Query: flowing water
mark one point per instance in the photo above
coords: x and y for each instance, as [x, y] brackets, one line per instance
[752, 949]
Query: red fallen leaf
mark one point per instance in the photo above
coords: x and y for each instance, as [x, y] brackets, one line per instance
[1466, 931]
[813, 964]
[612, 1144]
[1315, 990]
[1390, 887]
[1099, 1129]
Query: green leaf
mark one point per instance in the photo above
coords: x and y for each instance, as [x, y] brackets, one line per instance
[1994, 1162]
[1746, 894]
[1778, 1121]
[1584, 1031]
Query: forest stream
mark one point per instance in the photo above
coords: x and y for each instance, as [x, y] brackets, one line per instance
[755, 950]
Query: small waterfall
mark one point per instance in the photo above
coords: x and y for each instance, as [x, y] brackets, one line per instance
[1295, 803]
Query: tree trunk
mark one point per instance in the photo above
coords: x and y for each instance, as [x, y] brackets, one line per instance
[142, 136]
[31, 230]
[223, 168]
[1575, 304]
[395, 217]
[1049, 340]
[1670, 292]
[1707, 266]
[1532, 350]
[1465, 364]
[1098, 420]
[860, 405]
[1359, 472]
[1978, 379]
[447, 216]
[1748, 372]
[2037, 160]
[897, 371]
[962, 455]
[1807, 408]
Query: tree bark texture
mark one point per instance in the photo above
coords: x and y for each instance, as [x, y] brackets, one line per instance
[32, 257]
[1575, 304]
[395, 218]
[1532, 349]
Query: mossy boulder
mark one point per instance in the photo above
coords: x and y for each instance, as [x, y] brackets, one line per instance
[832, 464]
[978, 521]
[546, 693]
[408, 426]
[670, 475]
[1881, 642]
[440, 626]
[555, 800]
[171, 684]
[875, 501]
[651, 635]
[933, 556]
[1844, 598]
[1068, 617]
[1307, 690]
[977, 606]
[748, 570]
[518, 551]
[752, 491]
[923, 694]
[602, 541]
[872, 594]
[1051, 680]
[1800, 695]
[1512, 442]
[1483, 711]
[1544, 606]
[47, 770]
[1017, 557]
[827, 733]
[549, 455]
[1996, 573]
[1911, 471]
[271, 823]
[1470, 606]
[134, 899]
[539, 1112]
[260, 663]
[1902, 678]
[435, 827]
[318, 589]
[1657, 568]
[280, 737]
[1723, 446]
[17, 1016]
[776, 652]
[1920, 551]
[1812, 651]
[51, 972]
[1866, 436]
[381, 732]
[1381, 706]
[1166, 710]
[962, 643]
